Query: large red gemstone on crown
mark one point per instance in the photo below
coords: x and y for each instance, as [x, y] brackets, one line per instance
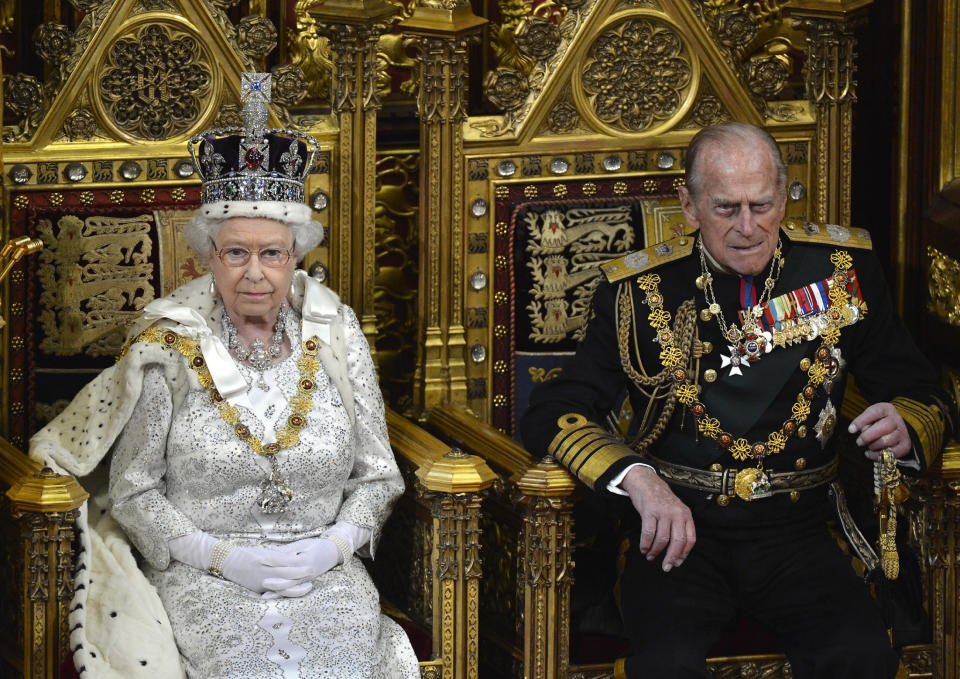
[253, 158]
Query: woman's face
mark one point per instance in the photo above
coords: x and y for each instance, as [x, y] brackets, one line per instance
[252, 292]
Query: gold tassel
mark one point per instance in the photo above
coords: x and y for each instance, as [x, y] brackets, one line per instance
[887, 497]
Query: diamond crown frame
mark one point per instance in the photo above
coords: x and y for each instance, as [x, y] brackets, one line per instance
[253, 163]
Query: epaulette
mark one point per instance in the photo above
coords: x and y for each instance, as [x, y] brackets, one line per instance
[800, 231]
[649, 258]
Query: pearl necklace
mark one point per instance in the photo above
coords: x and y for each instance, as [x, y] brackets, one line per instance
[257, 355]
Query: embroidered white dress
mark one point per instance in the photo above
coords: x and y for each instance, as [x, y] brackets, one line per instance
[178, 466]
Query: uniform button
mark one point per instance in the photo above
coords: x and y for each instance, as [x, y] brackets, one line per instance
[723, 500]
[715, 467]
[802, 431]
[805, 364]
[800, 464]
[794, 496]
[705, 315]
[710, 375]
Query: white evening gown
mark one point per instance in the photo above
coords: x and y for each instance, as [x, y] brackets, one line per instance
[179, 466]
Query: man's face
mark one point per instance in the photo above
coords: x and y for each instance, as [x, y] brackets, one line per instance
[739, 208]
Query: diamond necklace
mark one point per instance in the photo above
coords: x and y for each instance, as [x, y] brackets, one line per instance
[257, 355]
[747, 343]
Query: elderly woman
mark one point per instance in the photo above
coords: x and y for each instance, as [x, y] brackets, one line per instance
[250, 463]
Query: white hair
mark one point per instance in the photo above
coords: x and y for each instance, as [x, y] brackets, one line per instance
[201, 233]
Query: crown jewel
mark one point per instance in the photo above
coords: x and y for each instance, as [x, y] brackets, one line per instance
[253, 163]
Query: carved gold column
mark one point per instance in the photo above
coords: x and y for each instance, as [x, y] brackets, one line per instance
[937, 528]
[454, 484]
[353, 28]
[46, 506]
[445, 29]
[546, 569]
[831, 88]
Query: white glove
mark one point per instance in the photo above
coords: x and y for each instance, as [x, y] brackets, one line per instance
[315, 555]
[194, 549]
[256, 567]
[249, 567]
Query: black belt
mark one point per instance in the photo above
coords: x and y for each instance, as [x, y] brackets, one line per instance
[745, 483]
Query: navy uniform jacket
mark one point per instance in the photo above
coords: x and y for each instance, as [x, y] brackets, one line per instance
[877, 350]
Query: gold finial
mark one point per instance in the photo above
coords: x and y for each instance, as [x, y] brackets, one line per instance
[547, 478]
[47, 491]
[456, 472]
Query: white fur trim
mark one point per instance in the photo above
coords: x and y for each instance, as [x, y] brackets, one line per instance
[287, 213]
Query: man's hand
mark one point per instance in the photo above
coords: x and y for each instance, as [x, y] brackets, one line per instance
[880, 426]
[667, 522]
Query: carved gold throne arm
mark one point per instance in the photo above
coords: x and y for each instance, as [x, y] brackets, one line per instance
[45, 506]
[545, 546]
[451, 484]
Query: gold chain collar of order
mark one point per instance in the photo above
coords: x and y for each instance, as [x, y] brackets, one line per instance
[300, 405]
[686, 392]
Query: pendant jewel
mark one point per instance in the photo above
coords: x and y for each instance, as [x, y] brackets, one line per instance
[752, 484]
[749, 342]
[275, 493]
[734, 360]
[257, 354]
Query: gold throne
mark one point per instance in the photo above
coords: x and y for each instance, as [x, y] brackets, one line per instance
[96, 170]
[581, 166]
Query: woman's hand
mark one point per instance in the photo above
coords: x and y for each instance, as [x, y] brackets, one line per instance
[287, 570]
[316, 555]
[260, 569]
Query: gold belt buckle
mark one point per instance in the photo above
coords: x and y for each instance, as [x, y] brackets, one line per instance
[752, 484]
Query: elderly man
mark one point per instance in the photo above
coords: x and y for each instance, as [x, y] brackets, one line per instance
[733, 344]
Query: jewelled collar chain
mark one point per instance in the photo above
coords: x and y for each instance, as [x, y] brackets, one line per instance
[686, 392]
[733, 333]
[275, 492]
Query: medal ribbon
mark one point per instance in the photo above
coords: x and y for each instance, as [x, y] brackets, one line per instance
[812, 298]
[748, 294]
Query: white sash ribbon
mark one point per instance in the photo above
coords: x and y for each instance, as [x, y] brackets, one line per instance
[223, 370]
[318, 310]
[320, 319]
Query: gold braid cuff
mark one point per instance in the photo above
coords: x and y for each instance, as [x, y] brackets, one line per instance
[927, 421]
[585, 448]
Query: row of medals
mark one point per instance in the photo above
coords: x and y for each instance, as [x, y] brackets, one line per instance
[750, 342]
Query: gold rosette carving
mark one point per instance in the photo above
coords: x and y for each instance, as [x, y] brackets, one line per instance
[153, 83]
[638, 75]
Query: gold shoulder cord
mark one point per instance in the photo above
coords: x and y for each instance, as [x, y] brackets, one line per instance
[676, 346]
